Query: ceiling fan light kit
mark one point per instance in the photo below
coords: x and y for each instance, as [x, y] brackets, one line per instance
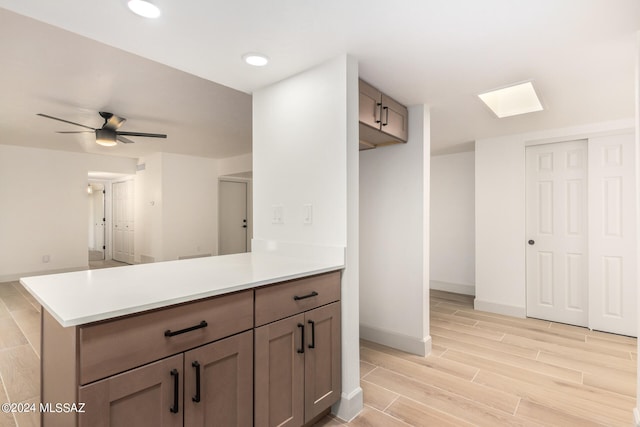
[108, 134]
[106, 137]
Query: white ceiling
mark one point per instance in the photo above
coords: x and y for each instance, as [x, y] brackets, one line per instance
[581, 55]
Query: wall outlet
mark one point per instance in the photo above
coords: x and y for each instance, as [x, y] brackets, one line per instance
[46, 258]
[277, 216]
[307, 214]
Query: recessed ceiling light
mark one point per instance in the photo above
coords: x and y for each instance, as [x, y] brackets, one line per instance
[144, 8]
[255, 59]
[517, 99]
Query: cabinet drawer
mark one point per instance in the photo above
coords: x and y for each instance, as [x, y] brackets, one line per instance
[289, 298]
[119, 345]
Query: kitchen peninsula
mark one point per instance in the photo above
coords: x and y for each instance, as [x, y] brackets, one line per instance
[244, 339]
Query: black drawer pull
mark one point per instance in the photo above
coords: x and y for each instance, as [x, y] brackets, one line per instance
[313, 334]
[312, 294]
[170, 333]
[301, 349]
[196, 398]
[176, 390]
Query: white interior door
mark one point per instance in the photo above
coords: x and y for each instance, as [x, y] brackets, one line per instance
[233, 217]
[556, 227]
[123, 230]
[612, 234]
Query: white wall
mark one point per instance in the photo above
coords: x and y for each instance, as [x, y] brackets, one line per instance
[299, 157]
[45, 209]
[190, 202]
[394, 242]
[305, 152]
[235, 165]
[500, 212]
[453, 223]
[176, 207]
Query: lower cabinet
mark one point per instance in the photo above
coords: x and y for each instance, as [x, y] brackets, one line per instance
[211, 385]
[140, 397]
[297, 367]
[268, 356]
[218, 383]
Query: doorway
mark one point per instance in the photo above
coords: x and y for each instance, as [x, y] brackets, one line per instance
[580, 233]
[233, 218]
[97, 221]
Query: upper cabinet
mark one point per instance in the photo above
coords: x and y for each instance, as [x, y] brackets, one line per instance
[383, 121]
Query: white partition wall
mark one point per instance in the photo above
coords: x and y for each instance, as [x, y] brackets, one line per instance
[394, 240]
[305, 183]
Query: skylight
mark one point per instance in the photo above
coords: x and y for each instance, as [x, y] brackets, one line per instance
[512, 100]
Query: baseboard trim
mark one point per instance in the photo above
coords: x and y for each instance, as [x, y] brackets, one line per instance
[413, 345]
[456, 288]
[17, 276]
[349, 405]
[507, 310]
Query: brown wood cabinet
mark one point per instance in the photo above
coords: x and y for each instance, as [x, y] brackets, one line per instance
[218, 383]
[383, 120]
[141, 397]
[272, 351]
[146, 369]
[297, 358]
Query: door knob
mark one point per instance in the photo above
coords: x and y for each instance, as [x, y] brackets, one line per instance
[532, 242]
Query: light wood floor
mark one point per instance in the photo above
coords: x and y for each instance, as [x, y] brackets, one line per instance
[485, 369]
[493, 370]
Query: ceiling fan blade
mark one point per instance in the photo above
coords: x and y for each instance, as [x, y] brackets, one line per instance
[111, 121]
[148, 135]
[76, 131]
[125, 140]
[64, 121]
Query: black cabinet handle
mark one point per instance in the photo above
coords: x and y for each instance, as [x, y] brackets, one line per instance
[386, 120]
[196, 365]
[176, 390]
[301, 349]
[532, 242]
[312, 294]
[376, 112]
[313, 334]
[170, 333]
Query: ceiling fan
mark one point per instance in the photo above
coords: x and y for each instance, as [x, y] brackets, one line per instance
[108, 133]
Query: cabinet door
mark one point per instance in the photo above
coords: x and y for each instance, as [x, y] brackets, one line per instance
[322, 359]
[394, 118]
[219, 383]
[147, 396]
[369, 105]
[279, 373]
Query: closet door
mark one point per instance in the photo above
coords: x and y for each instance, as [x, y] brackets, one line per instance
[556, 232]
[612, 235]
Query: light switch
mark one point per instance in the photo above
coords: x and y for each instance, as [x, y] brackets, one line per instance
[307, 214]
[277, 215]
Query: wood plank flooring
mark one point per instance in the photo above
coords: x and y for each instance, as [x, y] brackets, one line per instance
[484, 370]
[493, 370]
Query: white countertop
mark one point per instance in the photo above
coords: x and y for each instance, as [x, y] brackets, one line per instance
[88, 296]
